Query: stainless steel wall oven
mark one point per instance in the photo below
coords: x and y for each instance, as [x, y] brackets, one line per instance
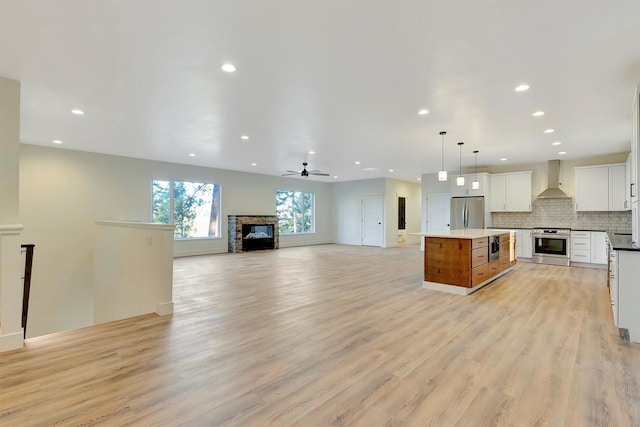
[551, 246]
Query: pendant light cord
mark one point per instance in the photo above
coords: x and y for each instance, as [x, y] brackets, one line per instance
[443, 133]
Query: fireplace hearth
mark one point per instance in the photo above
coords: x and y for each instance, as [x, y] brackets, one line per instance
[253, 233]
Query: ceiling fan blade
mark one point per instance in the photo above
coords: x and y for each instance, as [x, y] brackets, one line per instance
[289, 174]
[293, 171]
[318, 174]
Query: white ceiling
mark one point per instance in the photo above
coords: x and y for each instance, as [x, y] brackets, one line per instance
[344, 78]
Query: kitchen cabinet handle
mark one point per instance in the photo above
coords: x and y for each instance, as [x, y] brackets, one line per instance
[631, 189]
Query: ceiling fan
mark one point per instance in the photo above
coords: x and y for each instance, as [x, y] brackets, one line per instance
[304, 172]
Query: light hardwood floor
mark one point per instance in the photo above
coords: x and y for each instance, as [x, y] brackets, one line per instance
[338, 335]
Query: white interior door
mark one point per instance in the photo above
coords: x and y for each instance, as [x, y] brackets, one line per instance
[372, 219]
[438, 208]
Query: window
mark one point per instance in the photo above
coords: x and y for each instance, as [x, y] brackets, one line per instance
[194, 207]
[295, 212]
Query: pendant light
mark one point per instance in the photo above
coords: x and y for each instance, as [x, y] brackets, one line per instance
[460, 179]
[442, 175]
[475, 185]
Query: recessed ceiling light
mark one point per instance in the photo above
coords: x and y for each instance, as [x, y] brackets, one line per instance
[522, 88]
[78, 112]
[335, 176]
[562, 152]
[229, 68]
[549, 131]
[244, 137]
[312, 152]
[191, 155]
[357, 163]
[390, 170]
[57, 141]
[503, 159]
[556, 143]
[423, 112]
[419, 179]
[538, 113]
[254, 164]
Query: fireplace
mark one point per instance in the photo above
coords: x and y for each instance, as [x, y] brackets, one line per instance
[253, 233]
[256, 237]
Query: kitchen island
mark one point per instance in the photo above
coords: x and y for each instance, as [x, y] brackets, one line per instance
[463, 261]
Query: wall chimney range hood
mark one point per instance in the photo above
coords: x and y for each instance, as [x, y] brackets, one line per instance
[553, 190]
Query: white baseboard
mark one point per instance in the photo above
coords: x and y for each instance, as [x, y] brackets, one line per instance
[165, 308]
[10, 342]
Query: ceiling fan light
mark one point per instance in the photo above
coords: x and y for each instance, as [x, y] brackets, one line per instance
[442, 175]
[460, 181]
[475, 185]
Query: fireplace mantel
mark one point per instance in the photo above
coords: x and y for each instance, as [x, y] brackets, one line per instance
[235, 229]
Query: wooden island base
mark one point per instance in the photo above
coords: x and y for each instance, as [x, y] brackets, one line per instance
[463, 261]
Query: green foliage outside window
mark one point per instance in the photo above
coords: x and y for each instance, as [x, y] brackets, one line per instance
[295, 211]
[194, 207]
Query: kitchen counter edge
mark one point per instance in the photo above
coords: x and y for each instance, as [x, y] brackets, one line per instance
[470, 233]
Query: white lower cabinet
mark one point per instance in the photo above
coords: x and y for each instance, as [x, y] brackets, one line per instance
[527, 244]
[589, 247]
[581, 246]
[524, 244]
[628, 293]
[599, 247]
[613, 286]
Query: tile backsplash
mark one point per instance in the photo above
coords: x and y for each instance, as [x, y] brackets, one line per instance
[560, 213]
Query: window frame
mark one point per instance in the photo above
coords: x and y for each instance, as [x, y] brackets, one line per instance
[171, 207]
[312, 212]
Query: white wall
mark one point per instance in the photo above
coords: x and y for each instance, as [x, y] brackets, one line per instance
[63, 192]
[10, 266]
[430, 184]
[9, 149]
[347, 209]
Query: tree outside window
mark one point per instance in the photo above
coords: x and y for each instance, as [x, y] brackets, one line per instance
[295, 211]
[194, 207]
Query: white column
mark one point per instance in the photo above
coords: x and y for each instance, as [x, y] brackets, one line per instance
[10, 260]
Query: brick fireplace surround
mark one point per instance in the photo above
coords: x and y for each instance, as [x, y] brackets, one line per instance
[235, 229]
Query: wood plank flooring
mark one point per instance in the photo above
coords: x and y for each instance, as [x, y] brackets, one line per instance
[338, 335]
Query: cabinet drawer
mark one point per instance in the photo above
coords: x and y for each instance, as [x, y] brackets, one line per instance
[580, 235]
[504, 239]
[504, 263]
[480, 242]
[494, 268]
[479, 274]
[581, 255]
[580, 243]
[479, 256]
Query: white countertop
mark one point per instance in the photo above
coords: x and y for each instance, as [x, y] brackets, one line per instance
[469, 233]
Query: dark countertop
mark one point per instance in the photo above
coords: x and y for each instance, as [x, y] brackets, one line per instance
[587, 229]
[625, 247]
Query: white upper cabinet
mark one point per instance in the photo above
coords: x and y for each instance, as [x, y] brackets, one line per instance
[617, 188]
[511, 192]
[466, 190]
[600, 188]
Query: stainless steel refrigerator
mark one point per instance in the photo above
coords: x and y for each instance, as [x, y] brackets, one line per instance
[467, 212]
